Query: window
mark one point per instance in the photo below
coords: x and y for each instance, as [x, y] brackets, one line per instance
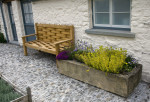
[27, 10]
[111, 13]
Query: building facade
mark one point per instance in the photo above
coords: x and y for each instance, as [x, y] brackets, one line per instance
[117, 23]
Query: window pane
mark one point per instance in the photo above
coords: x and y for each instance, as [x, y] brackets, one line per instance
[12, 19]
[101, 5]
[27, 18]
[121, 19]
[121, 5]
[25, 7]
[102, 18]
[30, 7]
[11, 12]
[31, 18]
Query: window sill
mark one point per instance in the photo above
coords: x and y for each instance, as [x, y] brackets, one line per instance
[117, 33]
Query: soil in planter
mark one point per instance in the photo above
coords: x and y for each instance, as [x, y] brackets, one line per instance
[7, 92]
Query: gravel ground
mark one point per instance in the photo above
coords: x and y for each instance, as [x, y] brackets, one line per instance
[39, 71]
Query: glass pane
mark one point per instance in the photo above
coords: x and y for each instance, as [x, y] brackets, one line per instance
[12, 18]
[11, 12]
[121, 19]
[27, 18]
[102, 18]
[31, 18]
[121, 5]
[25, 7]
[101, 5]
[30, 7]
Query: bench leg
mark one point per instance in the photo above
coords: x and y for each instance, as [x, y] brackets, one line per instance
[25, 50]
[57, 52]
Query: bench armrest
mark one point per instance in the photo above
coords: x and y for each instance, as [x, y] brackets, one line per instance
[28, 35]
[24, 37]
[59, 42]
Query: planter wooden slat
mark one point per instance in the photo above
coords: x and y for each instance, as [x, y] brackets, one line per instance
[21, 99]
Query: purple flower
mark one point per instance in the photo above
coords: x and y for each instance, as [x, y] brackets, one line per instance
[129, 62]
[63, 55]
[85, 43]
[75, 50]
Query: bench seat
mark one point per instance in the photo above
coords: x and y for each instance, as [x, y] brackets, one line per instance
[50, 38]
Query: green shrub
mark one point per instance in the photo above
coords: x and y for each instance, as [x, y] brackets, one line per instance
[2, 39]
[105, 59]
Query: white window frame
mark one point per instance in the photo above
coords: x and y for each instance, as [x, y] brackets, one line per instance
[110, 17]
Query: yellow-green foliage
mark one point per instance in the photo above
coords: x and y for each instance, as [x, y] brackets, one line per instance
[105, 59]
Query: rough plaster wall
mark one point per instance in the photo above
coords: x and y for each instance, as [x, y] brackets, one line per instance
[141, 26]
[7, 20]
[16, 6]
[62, 12]
[76, 12]
[2, 25]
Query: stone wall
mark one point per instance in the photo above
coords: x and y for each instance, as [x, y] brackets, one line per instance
[77, 13]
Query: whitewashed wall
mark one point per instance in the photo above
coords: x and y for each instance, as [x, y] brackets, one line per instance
[1, 24]
[141, 26]
[77, 12]
[16, 6]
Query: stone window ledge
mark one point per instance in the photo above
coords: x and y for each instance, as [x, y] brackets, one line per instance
[107, 32]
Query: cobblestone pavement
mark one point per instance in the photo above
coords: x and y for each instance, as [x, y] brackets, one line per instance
[39, 71]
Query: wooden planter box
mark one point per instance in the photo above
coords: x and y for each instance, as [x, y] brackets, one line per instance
[119, 84]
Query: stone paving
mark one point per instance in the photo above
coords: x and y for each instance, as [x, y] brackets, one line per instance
[39, 71]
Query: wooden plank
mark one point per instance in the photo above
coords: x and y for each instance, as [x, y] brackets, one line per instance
[24, 47]
[72, 32]
[54, 26]
[36, 31]
[29, 94]
[52, 51]
[21, 99]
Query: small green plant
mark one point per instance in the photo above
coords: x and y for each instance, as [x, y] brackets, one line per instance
[130, 64]
[2, 39]
[7, 93]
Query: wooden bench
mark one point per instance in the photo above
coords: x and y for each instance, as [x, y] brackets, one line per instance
[50, 38]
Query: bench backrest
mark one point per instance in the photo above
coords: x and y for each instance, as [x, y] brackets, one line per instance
[53, 33]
